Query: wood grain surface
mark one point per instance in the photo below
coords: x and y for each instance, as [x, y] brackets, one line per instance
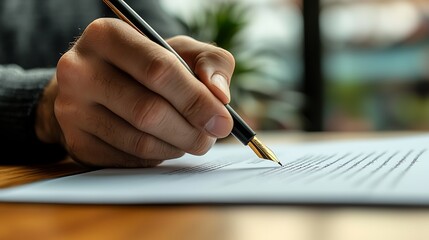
[56, 221]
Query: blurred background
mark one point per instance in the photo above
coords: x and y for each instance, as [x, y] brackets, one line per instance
[321, 65]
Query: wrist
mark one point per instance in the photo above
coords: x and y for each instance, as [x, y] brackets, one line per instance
[46, 125]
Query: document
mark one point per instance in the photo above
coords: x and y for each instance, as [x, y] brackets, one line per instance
[391, 171]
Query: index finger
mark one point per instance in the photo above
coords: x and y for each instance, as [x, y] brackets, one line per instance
[160, 71]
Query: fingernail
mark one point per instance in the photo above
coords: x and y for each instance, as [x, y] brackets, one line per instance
[217, 126]
[221, 83]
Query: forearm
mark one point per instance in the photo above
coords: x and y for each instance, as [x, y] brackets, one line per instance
[20, 92]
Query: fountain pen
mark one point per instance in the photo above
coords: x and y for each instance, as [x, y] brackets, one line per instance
[240, 130]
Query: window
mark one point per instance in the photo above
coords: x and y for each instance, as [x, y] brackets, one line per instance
[375, 64]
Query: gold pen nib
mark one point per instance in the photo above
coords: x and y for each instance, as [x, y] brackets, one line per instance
[263, 151]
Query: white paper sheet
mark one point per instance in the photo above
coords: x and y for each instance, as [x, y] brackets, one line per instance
[387, 171]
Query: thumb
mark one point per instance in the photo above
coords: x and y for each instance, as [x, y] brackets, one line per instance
[212, 65]
[216, 81]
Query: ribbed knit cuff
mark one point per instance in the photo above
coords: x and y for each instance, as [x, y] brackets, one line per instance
[20, 91]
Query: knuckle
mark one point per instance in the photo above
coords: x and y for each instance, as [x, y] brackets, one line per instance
[220, 58]
[218, 55]
[148, 113]
[227, 56]
[201, 144]
[64, 110]
[99, 34]
[143, 146]
[66, 67]
[73, 74]
[60, 108]
[182, 39]
[160, 68]
[193, 108]
[224, 54]
[66, 61]
[95, 31]
[146, 146]
[168, 151]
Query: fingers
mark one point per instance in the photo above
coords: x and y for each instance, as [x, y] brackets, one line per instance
[143, 110]
[104, 127]
[125, 101]
[159, 71]
[102, 154]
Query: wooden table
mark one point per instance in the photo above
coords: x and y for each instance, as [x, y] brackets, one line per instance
[56, 221]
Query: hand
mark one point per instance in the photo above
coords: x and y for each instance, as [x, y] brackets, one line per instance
[124, 101]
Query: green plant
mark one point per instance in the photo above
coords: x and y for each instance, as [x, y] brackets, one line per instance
[222, 25]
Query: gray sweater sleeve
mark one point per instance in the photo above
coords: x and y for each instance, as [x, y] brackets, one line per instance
[33, 34]
[20, 91]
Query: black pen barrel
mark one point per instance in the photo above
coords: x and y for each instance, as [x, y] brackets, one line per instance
[241, 130]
